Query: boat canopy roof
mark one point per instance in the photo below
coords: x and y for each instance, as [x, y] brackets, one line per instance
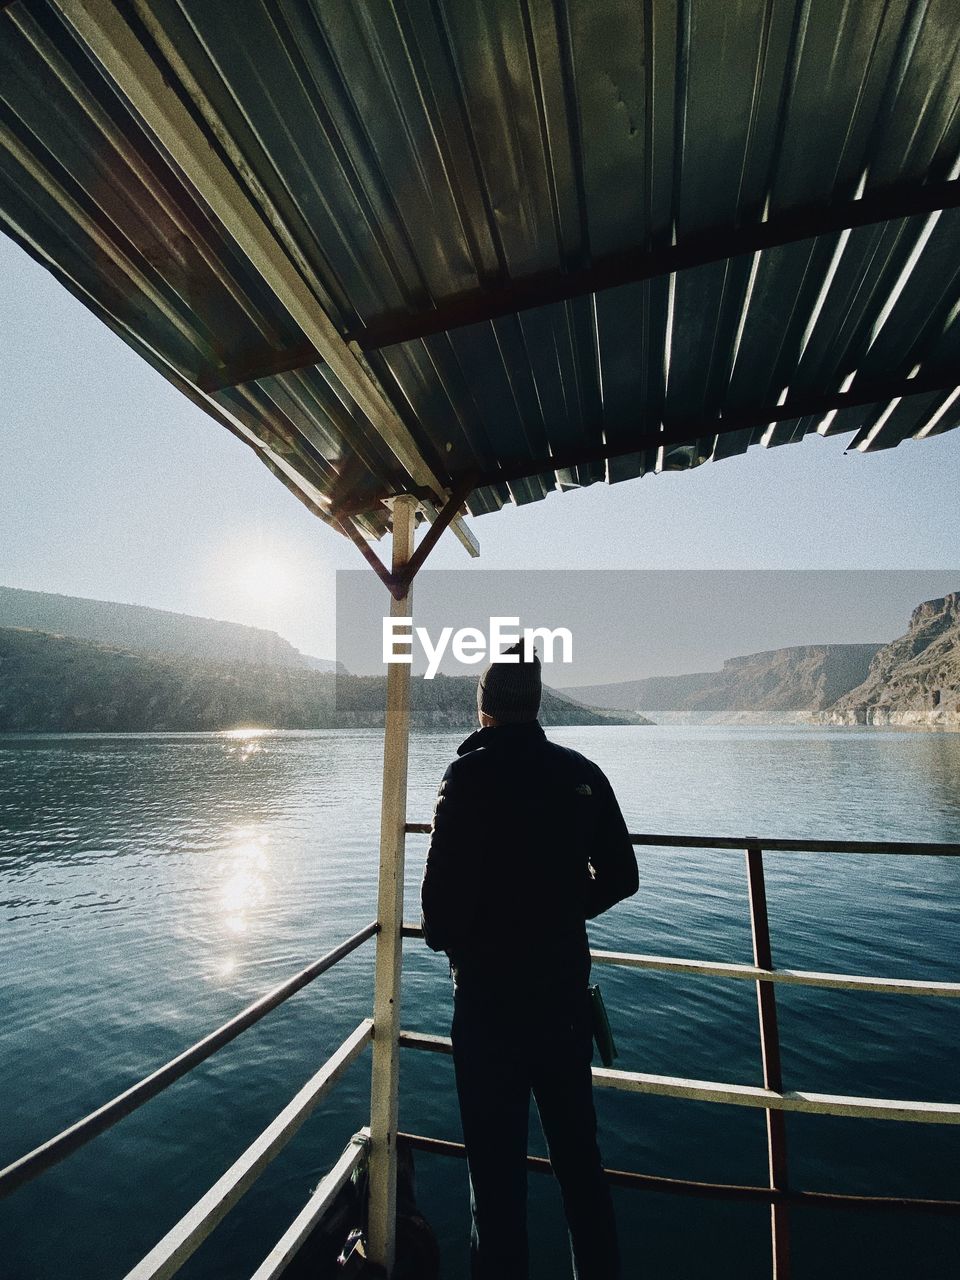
[496, 248]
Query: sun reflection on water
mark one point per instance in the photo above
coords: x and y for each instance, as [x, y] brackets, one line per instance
[242, 887]
[245, 740]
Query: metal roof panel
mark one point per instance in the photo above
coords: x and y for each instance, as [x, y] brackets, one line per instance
[408, 156]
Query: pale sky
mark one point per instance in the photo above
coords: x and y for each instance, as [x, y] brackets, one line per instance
[115, 487]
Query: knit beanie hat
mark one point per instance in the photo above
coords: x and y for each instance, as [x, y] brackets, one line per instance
[510, 691]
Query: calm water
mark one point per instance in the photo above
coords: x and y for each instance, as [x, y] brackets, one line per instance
[152, 885]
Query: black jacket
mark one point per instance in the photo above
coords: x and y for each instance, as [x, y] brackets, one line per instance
[527, 843]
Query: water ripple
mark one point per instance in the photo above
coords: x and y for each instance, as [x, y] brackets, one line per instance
[151, 885]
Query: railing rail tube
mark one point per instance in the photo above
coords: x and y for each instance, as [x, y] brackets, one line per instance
[714, 1190]
[292, 1240]
[772, 1068]
[752, 973]
[167, 1257]
[743, 1095]
[902, 848]
[69, 1140]
[789, 977]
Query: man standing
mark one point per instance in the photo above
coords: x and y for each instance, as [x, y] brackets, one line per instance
[528, 842]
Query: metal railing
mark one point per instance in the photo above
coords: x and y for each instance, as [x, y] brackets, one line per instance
[773, 1098]
[185, 1237]
[181, 1241]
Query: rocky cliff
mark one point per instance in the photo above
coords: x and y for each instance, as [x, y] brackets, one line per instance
[782, 685]
[778, 686]
[914, 680]
[56, 684]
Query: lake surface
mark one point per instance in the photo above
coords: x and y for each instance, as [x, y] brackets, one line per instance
[152, 885]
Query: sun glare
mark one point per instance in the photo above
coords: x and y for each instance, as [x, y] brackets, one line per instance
[265, 579]
[243, 886]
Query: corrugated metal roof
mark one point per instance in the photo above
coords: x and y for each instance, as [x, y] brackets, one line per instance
[559, 241]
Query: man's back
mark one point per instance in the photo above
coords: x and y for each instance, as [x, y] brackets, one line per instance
[527, 843]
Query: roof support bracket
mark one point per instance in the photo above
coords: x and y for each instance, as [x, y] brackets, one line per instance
[373, 560]
[398, 582]
[447, 514]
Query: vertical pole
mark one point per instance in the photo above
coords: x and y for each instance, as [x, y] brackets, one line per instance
[386, 1002]
[770, 1051]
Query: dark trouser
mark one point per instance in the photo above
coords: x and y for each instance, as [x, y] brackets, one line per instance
[501, 1055]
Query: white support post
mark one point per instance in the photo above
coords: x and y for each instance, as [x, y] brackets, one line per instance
[386, 1003]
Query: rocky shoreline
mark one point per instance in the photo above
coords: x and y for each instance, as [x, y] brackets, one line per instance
[913, 682]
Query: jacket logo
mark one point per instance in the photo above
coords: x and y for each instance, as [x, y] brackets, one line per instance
[584, 789]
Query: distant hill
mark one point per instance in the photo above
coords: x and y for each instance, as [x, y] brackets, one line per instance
[136, 627]
[914, 680]
[655, 694]
[778, 686]
[55, 684]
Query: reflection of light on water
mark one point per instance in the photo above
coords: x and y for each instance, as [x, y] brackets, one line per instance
[243, 884]
[227, 968]
[246, 740]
